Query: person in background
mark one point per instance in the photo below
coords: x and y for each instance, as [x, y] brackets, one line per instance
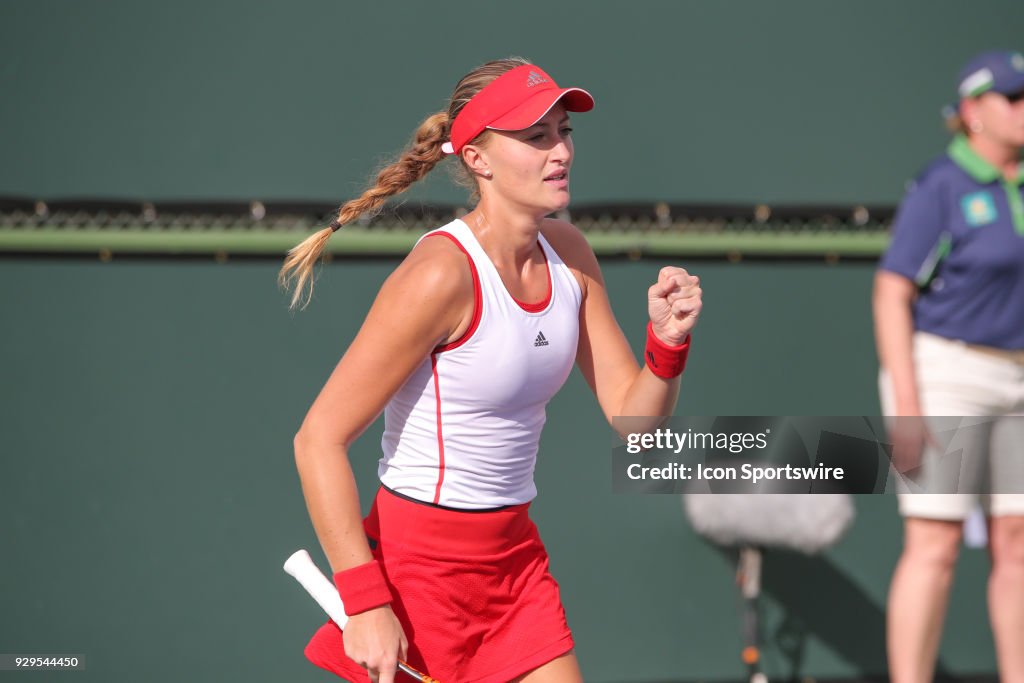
[467, 341]
[949, 324]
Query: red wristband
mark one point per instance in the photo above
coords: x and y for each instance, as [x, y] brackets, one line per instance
[362, 588]
[665, 361]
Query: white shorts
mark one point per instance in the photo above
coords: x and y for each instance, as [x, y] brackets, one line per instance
[959, 383]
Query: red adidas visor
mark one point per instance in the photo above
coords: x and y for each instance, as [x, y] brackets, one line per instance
[515, 100]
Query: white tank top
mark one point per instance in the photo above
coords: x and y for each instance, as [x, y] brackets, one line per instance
[463, 430]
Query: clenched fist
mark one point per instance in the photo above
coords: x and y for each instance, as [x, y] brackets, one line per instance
[674, 304]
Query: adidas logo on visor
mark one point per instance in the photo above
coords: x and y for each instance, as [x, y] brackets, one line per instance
[535, 79]
[540, 341]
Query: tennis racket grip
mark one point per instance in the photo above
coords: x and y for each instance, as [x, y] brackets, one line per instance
[301, 566]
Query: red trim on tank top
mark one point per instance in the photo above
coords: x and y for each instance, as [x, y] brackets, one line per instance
[440, 434]
[478, 297]
[541, 305]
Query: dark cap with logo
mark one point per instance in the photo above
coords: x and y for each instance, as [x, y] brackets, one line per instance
[1000, 71]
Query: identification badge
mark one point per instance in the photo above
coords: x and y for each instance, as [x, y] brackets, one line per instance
[979, 208]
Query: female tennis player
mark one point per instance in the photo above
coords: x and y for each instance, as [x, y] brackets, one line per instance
[465, 344]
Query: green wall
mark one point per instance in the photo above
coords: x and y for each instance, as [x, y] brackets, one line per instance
[698, 101]
[148, 495]
[147, 491]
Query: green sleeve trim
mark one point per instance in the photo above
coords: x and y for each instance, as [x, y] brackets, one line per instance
[1013, 198]
[938, 254]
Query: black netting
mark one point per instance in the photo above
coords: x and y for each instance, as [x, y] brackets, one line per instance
[20, 213]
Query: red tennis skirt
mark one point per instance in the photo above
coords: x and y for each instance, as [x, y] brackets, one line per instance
[472, 592]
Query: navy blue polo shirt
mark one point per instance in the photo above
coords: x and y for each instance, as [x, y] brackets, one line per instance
[959, 235]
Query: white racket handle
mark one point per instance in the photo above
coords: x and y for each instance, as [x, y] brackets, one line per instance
[300, 565]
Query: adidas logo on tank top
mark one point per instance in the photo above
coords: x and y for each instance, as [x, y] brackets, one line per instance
[541, 340]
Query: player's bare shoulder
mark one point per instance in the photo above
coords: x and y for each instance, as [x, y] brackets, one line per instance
[573, 248]
[565, 237]
[434, 283]
[436, 263]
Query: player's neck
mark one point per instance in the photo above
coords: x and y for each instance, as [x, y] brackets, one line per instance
[506, 235]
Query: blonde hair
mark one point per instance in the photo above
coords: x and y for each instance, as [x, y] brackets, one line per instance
[413, 164]
[955, 124]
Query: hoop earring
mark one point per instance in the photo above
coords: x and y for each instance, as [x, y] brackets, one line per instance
[976, 126]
